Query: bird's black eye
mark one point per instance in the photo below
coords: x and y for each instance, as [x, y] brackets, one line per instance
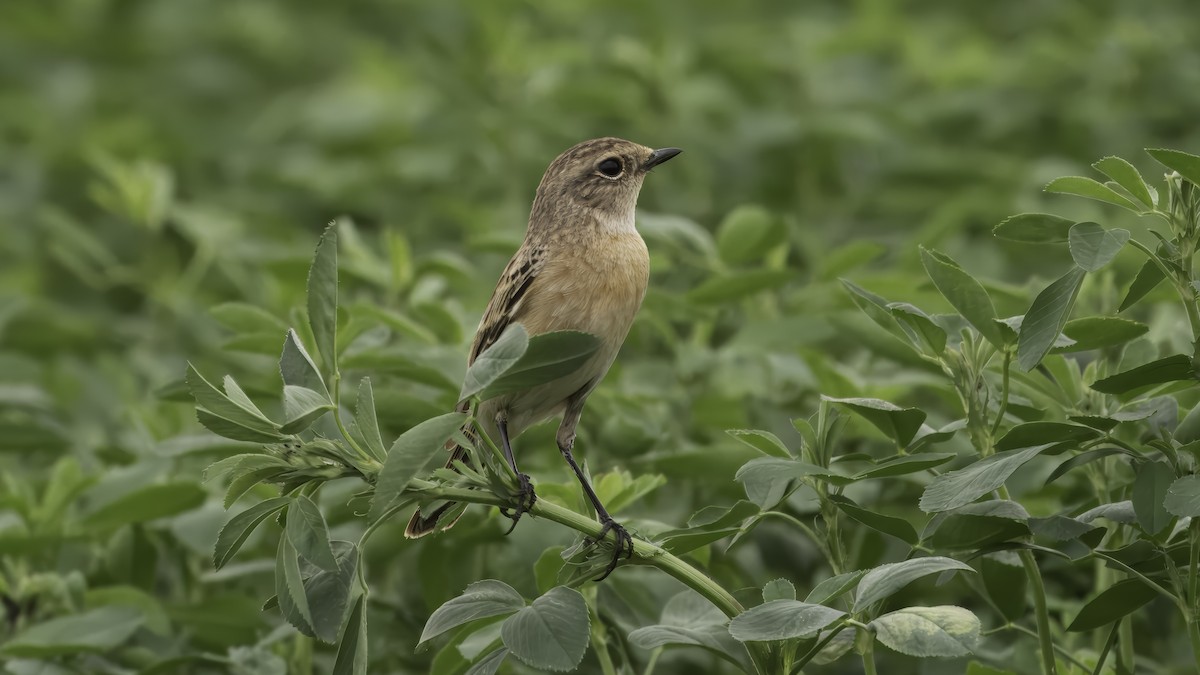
[610, 167]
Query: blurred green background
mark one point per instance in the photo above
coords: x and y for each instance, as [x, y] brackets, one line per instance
[160, 158]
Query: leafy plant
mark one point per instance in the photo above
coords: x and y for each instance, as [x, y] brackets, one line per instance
[1095, 410]
[168, 167]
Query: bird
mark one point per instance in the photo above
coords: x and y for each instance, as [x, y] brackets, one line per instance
[582, 266]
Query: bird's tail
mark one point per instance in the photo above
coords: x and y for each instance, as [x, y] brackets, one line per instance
[442, 515]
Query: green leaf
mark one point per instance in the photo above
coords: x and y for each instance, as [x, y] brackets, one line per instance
[495, 360]
[1183, 497]
[768, 480]
[297, 367]
[1034, 228]
[1091, 189]
[707, 525]
[552, 632]
[399, 361]
[225, 407]
[1188, 430]
[409, 454]
[879, 310]
[834, 587]
[978, 525]
[690, 620]
[246, 481]
[1062, 528]
[1150, 486]
[899, 424]
[736, 285]
[246, 318]
[889, 525]
[1186, 164]
[1148, 277]
[548, 357]
[747, 233]
[1046, 318]
[1127, 177]
[323, 297]
[146, 503]
[489, 664]
[547, 567]
[1116, 601]
[352, 644]
[328, 592]
[847, 257]
[367, 422]
[920, 324]
[778, 589]
[959, 488]
[308, 533]
[1118, 512]
[965, 293]
[1093, 247]
[1081, 459]
[885, 580]
[289, 588]
[301, 407]
[232, 430]
[239, 527]
[903, 465]
[1034, 433]
[237, 464]
[482, 599]
[97, 630]
[945, 631]
[782, 620]
[1098, 332]
[763, 441]
[1171, 369]
[1005, 581]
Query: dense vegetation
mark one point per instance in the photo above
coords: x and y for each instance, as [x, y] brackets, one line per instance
[840, 367]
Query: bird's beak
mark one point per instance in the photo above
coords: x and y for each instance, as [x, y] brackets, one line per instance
[659, 156]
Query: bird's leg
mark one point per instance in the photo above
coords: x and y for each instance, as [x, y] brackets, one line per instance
[623, 542]
[527, 496]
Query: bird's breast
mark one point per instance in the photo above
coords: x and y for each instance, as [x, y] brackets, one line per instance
[596, 287]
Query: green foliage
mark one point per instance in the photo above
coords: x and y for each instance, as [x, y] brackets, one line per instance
[900, 396]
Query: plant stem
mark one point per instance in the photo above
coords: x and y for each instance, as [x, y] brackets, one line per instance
[866, 644]
[1108, 645]
[796, 667]
[1034, 576]
[1194, 564]
[1125, 652]
[653, 661]
[1132, 572]
[599, 633]
[337, 418]
[1003, 395]
[1045, 639]
[1065, 653]
[1189, 614]
[644, 552]
[819, 542]
[600, 646]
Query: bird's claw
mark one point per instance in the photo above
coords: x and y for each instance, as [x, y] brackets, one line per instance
[622, 544]
[527, 498]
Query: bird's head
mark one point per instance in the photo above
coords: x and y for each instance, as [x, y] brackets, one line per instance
[601, 177]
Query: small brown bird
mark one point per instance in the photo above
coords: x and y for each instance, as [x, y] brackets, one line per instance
[583, 267]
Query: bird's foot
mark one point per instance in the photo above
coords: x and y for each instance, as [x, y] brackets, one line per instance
[526, 499]
[622, 544]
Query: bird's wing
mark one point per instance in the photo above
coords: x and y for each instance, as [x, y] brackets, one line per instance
[505, 306]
